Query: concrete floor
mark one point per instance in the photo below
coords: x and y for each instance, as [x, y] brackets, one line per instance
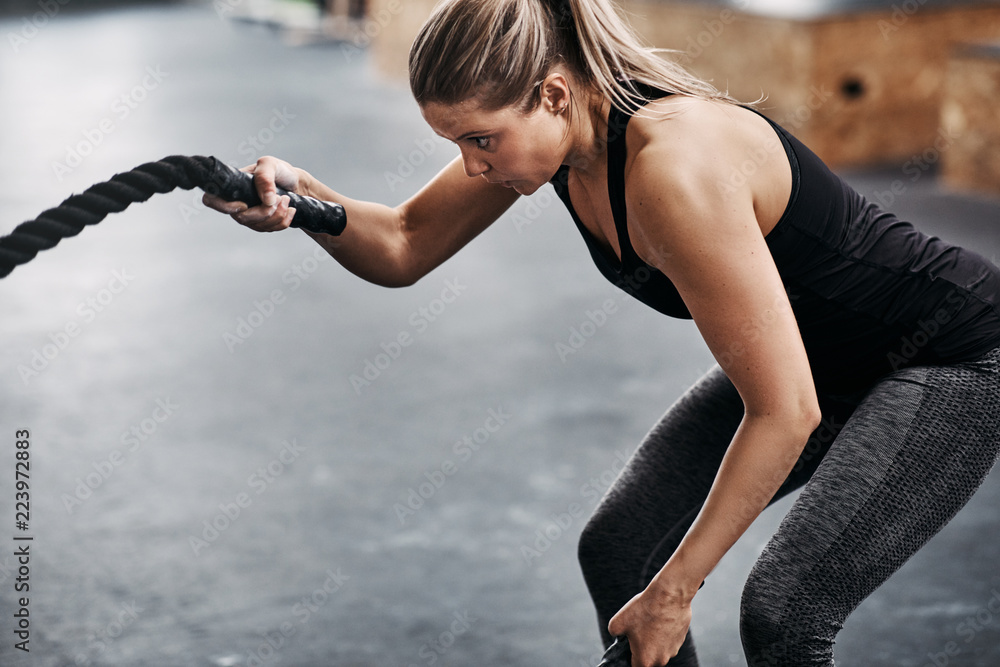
[162, 412]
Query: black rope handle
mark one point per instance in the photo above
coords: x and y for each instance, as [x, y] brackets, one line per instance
[617, 655]
[138, 185]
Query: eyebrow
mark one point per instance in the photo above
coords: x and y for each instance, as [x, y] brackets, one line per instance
[472, 134]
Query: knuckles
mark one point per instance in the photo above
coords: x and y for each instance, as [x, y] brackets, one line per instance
[258, 218]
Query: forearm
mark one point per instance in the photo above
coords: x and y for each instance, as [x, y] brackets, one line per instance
[760, 457]
[397, 246]
[372, 246]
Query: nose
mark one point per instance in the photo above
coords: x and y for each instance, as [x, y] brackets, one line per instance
[474, 166]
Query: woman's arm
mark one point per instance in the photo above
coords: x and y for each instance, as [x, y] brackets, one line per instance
[390, 246]
[712, 248]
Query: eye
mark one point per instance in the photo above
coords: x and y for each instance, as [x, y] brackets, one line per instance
[481, 142]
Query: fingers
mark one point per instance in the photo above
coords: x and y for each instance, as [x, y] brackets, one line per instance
[259, 218]
[219, 204]
[267, 218]
[274, 213]
[264, 175]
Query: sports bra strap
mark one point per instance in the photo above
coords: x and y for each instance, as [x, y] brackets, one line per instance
[617, 125]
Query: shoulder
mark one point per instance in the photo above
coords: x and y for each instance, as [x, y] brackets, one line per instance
[681, 155]
[684, 142]
[688, 127]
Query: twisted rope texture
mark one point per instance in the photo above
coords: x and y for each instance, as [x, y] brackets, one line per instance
[97, 201]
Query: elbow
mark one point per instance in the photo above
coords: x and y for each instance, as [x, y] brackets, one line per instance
[394, 275]
[385, 273]
[401, 270]
[797, 419]
[811, 417]
[397, 281]
[806, 420]
[399, 265]
[804, 416]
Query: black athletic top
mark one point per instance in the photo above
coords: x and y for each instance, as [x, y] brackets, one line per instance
[870, 293]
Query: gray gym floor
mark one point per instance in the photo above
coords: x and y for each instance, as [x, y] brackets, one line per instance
[154, 412]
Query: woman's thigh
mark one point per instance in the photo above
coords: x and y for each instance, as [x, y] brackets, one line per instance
[912, 454]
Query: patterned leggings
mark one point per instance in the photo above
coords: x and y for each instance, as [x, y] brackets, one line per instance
[880, 479]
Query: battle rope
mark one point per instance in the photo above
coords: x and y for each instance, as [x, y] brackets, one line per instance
[138, 185]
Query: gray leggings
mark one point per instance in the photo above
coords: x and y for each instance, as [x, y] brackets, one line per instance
[880, 479]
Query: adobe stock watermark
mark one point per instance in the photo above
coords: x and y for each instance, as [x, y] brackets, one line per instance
[133, 439]
[250, 148]
[712, 30]
[761, 155]
[823, 435]
[229, 511]
[756, 158]
[303, 270]
[121, 108]
[968, 629]
[246, 326]
[302, 611]
[925, 331]
[98, 642]
[435, 648]
[595, 319]
[370, 28]
[532, 209]
[263, 309]
[756, 326]
[581, 333]
[800, 115]
[31, 25]
[419, 320]
[225, 7]
[60, 339]
[464, 449]
[901, 13]
[559, 523]
[915, 168]
[407, 164]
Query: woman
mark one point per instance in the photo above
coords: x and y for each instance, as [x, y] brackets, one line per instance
[856, 356]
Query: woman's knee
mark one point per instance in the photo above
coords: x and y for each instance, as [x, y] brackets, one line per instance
[779, 626]
[597, 541]
[760, 621]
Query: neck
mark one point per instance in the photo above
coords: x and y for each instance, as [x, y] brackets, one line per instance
[588, 134]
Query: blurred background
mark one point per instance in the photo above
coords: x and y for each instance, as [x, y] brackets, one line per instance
[243, 455]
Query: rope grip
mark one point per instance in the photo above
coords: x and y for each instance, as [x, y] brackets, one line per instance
[311, 214]
[176, 171]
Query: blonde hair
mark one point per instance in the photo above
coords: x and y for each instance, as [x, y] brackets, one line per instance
[499, 52]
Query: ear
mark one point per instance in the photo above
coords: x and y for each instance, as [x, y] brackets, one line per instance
[555, 92]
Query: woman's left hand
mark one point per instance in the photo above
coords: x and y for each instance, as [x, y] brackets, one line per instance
[656, 623]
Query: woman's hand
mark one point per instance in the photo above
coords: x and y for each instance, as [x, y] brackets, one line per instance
[656, 623]
[274, 214]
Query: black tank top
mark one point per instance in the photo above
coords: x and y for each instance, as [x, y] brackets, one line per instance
[871, 294]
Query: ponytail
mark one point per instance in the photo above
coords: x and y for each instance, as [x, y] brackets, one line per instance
[616, 59]
[499, 52]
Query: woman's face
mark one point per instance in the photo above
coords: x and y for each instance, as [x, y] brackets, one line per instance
[518, 150]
